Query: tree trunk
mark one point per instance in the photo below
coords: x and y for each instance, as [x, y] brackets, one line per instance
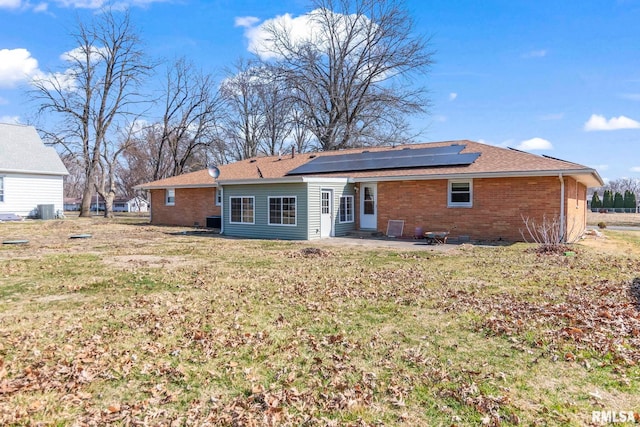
[87, 195]
[108, 204]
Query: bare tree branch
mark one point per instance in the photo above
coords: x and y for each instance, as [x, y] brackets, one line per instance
[352, 77]
[100, 87]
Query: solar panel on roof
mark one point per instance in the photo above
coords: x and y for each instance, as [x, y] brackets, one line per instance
[390, 159]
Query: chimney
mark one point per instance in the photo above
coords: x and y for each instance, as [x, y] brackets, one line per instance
[293, 151]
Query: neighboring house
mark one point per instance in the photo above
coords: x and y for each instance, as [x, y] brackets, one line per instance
[31, 174]
[72, 203]
[478, 191]
[137, 204]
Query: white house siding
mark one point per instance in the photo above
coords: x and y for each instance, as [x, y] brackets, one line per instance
[23, 193]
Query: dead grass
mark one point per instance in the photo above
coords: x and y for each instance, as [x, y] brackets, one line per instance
[148, 325]
[623, 219]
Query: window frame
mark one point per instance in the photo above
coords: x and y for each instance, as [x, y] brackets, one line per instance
[242, 214]
[282, 211]
[168, 197]
[451, 192]
[344, 208]
[218, 196]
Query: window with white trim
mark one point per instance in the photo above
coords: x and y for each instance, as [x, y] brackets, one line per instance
[346, 209]
[170, 197]
[282, 210]
[1, 188]
[241, 210]
[460, 194]
[218, 196]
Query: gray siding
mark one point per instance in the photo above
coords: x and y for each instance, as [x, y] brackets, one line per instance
[307, 210]
[339, 189]
[261, 228]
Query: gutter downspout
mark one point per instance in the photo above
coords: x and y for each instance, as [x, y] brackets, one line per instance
[221, 209]
[562, 211]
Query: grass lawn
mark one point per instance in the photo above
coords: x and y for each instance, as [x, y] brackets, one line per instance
[142, 325]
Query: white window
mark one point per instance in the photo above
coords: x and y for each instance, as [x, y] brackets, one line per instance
[460, 194]
[241, 210]
[282, 210]
[218, 196]
[346, 209]
[170, 197]
[1, 189]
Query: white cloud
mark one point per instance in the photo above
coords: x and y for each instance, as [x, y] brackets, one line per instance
[42, 7]
[631, 96]
[541, 53]
[81, 4]
[76, 4]
[535, 144]
[246, 21]
[78, 54]
[301, 29]
[452, 96]
[10, 119]
[16, 65]
[635, 169]
[555, 116]
[10, 4]
[598, 122]
[59, 81]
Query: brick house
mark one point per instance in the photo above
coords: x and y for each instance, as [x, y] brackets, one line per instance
[481, 191]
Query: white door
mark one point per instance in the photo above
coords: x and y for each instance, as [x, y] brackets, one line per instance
[368, 206]
[326, 213]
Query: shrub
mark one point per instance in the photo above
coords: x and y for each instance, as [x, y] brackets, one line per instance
[547, 234]
[602, 224]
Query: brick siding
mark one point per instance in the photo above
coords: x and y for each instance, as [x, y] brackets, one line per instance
[499, 205]
[576, 208]
[192, 205]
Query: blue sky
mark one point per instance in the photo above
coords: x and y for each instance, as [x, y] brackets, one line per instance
[560, 78]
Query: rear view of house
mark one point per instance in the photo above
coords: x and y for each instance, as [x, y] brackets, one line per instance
[31, 174]
[482, 192]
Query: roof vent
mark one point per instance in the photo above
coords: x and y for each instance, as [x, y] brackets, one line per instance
[406, 148]
[252, 161]
[312, 156]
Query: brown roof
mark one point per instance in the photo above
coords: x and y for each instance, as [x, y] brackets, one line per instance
[493, 161]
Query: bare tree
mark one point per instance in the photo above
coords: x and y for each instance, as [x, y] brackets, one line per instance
[623, 184]
[276, 109]
[352, 77]
[74, 182]
[243, 124]
[300, 135]
[98, 89]
[106, 179]
[188, 125]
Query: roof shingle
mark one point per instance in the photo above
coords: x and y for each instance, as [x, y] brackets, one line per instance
[22, 151]
[493, 161]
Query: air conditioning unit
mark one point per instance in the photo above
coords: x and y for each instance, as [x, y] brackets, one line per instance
[46, 211]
